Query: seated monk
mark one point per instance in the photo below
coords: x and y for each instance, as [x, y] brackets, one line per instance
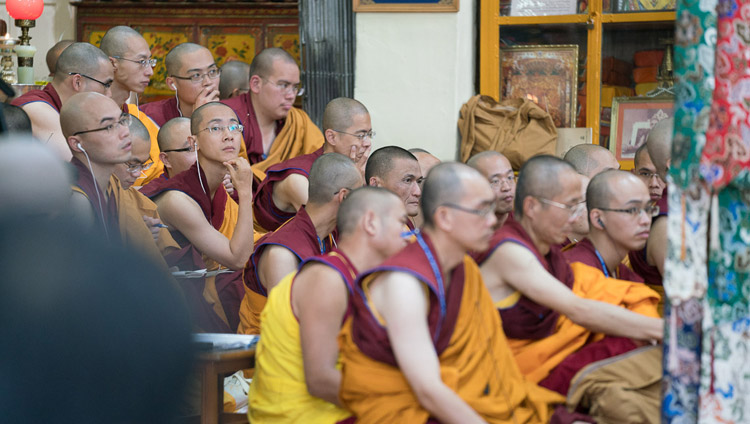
[348, 131]
[128, 172]
[620, 212]
[644, 168]
[307, 234]
[176, 151]
[53, 54]
[550, 309]
[425, 343]
[397, 170]
[297, 371]
[81, 68]
[274, 130]
[99, 140]
[234, 80]
[495, 167]
[213, 230]
[426, 162]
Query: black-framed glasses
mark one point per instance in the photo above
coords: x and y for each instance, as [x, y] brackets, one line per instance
[651, 209]
[484, 211]
[124, 121]
[216, 129]
[139, 167]
[143, 62]
[498, 181]
[212, 73]
[105, 84]
[646, 174]
[190, 148]
[287, 87]
[369, 134]
[573, 210]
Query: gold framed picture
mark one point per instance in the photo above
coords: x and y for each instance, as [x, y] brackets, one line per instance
[405, 6]
[546, 75]
[632, 120]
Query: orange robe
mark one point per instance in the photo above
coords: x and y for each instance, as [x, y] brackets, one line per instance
[475, 360]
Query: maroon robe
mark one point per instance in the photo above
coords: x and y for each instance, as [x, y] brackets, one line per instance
[444, 305]
[106, 213]
[298, 235]
[229, 285]
[337, 260]
[161, 111]
[243, 107]
[46, 95]
[265, 211]
[585, 252]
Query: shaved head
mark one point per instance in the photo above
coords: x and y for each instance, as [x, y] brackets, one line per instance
[590, 159]
[80, 58]
[444, 184]
[31, 190]
[115, 41]
[659, 145]
[426, 160]
[329, 174]
[74, 112]
[197, 118]
[476, 160]
[639, 155]
[381, 162]
[54, 53]
[165, 139]
[539, 177]
[173, 60]
[339, 113]
[361, 200]
[262, 64]
[234, 75]
[139, 131]
[601, 190]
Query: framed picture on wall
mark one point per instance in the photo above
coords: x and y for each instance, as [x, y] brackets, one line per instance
[546, 75]
[405, 5]
[632, 120]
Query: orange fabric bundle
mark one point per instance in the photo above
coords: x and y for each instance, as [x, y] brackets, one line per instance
[648, 58]
[648, 74]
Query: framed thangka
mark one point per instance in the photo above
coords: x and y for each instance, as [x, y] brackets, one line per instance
[546, 75]
[405, 5]
[632, 120]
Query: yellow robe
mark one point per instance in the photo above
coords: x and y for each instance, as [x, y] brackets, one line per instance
[478, 365]
[278, 392]
[536, 358]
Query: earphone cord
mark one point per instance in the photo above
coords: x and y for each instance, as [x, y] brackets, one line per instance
[199, 171]
[96, 187]
[178, 100]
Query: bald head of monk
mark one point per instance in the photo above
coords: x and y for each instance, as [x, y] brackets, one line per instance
[42, 189]
[549, 198]
[130, 55]
[332, 177]
[129, 171]
[645, 169]
[620, 210]
[426, 160]
[458, 205]
[191, 73]
[216, 132]
[376, 212]
[177, 152]
[659, 145]
[82, 67]
[591, 159]
[96, 129]
[274, 83]
[54, 52]
[397, 170]
[235, 79]
[347, 127]
[496, 168]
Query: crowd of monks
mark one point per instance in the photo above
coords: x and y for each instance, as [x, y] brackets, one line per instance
[385, 286]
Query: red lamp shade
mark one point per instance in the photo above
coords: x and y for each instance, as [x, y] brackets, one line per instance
[25, 9]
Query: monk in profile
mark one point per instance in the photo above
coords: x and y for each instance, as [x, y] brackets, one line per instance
[176, 150]
[299, 349]
[307, 234]
[234, 80]
[397, 170]
[425, 342]
[495, 167]
[426, 162]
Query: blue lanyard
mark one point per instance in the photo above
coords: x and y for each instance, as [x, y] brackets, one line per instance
[601, 261]
[321, 245]
[439, 278]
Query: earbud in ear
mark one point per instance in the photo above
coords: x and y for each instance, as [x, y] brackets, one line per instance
[173, 87]
[80, 147]
[599, 220]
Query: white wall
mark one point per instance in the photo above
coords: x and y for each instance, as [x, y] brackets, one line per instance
[413, 71]
[57, 22]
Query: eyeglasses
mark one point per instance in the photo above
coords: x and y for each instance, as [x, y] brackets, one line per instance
[190, 148]
[138, 167]
[498, 181]
[369, 134]
[105, 84]
[651, 209]
[143, 62]
[287, 87]
[212, 73]
[219, 128]
[647, 174]
[573, 210]
[124, 121]
[484, 211]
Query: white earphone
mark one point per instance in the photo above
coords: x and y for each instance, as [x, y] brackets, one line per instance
[81, 147]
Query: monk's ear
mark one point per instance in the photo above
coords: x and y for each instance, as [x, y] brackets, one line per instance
[255, 83]
[77, 82]
[114, 63]
[443, 219]
[193, 140]
[73, 143]
[595, 219]
[370, 223]
[530, 206]
[330, 136]
[374, 182]
[170, 83]
[341, 195]
[164, 159]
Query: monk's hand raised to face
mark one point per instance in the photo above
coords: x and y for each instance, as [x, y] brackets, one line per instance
[241, 175]
[207, 95]
[228, 184]
[362, 161]
[153, 225]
